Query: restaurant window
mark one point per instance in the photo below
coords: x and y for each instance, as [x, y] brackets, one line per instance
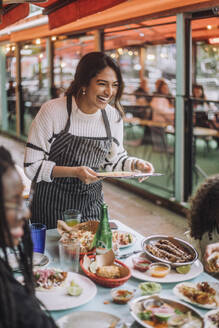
[34, 81]
[205, 104]
[10, 86]
[67, 53]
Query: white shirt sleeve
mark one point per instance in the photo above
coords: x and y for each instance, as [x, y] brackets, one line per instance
[38, 146]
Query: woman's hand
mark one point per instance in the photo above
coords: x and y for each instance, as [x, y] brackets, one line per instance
[86, 174]
[144, 167]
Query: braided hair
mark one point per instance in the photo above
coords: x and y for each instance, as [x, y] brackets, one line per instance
[23, 253]
[204, 210]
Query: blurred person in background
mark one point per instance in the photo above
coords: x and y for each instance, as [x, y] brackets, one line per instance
[19, 306]
[162, 107]
[74, 136]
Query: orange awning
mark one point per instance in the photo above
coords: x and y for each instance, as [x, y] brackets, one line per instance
[13, 13]
[63, 12]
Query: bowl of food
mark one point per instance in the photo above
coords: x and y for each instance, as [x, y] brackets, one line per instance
[159, 269]
[83, 232]
[121, 295]
[140, 263]
[110, 276]
[155, 311]
[170, 250]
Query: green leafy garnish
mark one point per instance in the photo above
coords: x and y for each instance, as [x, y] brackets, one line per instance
[145, 315]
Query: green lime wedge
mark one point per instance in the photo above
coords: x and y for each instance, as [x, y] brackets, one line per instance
[75, 290]
[93, 267]
[183, 269]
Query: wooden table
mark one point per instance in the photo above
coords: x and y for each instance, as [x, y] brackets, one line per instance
[103, 294]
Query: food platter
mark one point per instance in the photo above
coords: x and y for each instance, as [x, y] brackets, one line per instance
[211, 319]
[172, 277]
[91, 319]
[126, 175]
[58, 298]
[151, 311]
[124, 238]
[171, 250]
[202, 296]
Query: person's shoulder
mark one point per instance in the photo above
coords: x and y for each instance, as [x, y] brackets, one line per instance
[112, 113]
[52, 105]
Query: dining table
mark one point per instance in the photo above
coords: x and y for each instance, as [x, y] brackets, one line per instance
[102, 301]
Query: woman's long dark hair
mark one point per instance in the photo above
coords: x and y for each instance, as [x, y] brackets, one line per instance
[204, 211]
[23, 253]
[88, 67]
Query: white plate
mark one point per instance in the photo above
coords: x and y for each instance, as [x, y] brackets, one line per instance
[173, 276]
[208, 322]
[58, 299]
[136, 304]
[126, 174]
[39, 259]
[85, 319]
[214, 285]
[133, 238]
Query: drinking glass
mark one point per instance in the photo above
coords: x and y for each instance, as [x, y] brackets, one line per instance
[72, 217]
[69, 253]
[38, 234]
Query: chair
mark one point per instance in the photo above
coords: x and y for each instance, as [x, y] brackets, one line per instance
[160, 145]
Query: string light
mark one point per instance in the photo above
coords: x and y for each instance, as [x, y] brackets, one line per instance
[53, 38]
[38, 41]
[209, 27]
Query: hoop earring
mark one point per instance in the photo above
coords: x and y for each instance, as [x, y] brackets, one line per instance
[83, 92]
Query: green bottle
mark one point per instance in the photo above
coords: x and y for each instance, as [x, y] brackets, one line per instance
[103, 237]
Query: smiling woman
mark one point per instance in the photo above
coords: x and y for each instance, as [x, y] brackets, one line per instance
[73, 137]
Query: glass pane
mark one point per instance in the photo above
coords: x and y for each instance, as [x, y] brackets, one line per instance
[10, 86]
[34, 81]
[205, 104]
[67, 53]
[149, 105]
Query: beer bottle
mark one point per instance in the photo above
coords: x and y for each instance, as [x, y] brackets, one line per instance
[103, 237]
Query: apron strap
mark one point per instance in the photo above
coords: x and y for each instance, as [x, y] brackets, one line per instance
[69, 109]
[104, 115]
[106, 123]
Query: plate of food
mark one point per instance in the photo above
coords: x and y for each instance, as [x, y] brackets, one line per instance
[126, 174]
[211, 319]
[157, 312]
[202, 294]
[59, 290]
[171, 250]
[123, 238]
[172, 276]
[84, 319]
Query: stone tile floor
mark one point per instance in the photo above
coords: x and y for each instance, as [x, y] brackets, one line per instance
[144, 216]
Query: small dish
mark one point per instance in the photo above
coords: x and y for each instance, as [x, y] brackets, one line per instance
[159, 269]
[141, 264]
[121, 295]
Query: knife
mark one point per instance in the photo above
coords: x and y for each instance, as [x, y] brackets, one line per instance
[124, 256]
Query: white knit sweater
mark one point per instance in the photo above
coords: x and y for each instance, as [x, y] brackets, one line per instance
[52, 118]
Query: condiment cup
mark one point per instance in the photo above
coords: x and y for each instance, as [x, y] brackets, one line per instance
[141, 264]
[122, 295]
[159, 269]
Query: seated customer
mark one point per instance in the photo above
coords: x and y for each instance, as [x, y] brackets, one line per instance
[204, 215]
[19, 306]
[163, 110]
[142, 101]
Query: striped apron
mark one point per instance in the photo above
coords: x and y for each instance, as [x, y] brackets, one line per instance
[50, 199]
